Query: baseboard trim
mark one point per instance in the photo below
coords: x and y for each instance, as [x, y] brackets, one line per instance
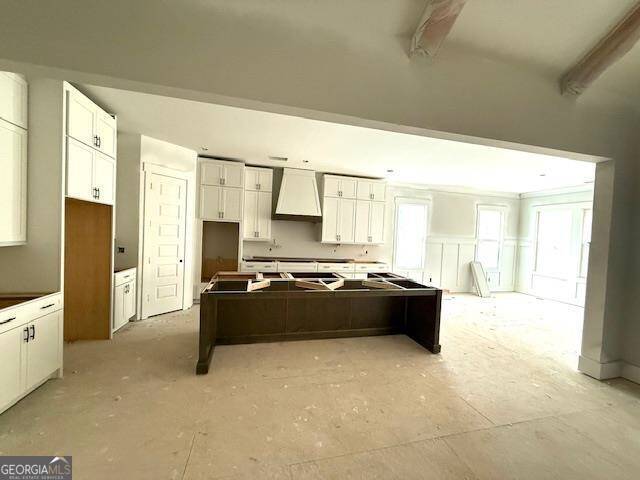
[606, 371]
[599, 371]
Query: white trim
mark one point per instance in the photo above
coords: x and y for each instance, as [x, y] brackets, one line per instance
[631, 372]
[397, 201]
[558, 191]
[599, 371]
[169, 172]
[456, 189]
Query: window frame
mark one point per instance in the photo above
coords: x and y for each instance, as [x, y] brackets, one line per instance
[503, 210]
[427, 203]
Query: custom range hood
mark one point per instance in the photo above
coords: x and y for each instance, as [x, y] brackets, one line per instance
[298, 197]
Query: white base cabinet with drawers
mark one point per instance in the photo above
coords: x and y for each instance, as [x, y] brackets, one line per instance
[30, 346]
[124, 297]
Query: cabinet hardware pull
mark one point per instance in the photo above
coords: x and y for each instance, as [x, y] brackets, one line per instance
[339, 193]
[33, 332]
[371, 196]
[47, 306]
[257, 186]
[95, 140]
[222, 180]
[99, 141]
[98, 190]
[7, 320]
[25, 337]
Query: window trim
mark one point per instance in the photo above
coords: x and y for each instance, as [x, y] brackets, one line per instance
[503, 210]
[427, 202]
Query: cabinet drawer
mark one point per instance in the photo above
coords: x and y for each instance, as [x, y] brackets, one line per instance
[124, 276]
[371, 267]
[28, 311]
[297, 267]
[12, 317]
[259, 266]
[336, 267]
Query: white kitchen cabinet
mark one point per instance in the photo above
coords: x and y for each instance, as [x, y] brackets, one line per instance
[13, 184]
[90, 174]
[221, 204]
[89, 124]
[30, 346]
[371, 190]
[124, 297]
[257, 215]
[13, 99]
[369, 222]
[222, 173]
[11, 374]
[259, 179]
[43, 348]
[338, 220]
[336, 186]
[255, 266]
[309, 267]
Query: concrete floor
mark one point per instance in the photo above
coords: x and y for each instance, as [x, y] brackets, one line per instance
[502, 401]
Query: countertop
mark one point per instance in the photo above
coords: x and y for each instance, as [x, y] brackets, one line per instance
[298, 259]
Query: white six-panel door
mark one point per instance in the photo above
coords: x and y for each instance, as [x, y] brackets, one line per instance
[164, 244]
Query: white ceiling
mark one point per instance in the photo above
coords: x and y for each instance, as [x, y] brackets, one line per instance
[253, 136]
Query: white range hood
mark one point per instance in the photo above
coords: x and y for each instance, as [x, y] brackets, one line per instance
[298, 198]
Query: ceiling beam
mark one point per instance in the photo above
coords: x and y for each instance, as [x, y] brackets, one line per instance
[609, 50]
[435, 24]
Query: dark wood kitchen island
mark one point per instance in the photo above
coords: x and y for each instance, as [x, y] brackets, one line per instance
[278, 307]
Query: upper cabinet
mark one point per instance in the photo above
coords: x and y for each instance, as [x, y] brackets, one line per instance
[336, 186]
[13, 159]
[91, 150]
[89, 124]
[13, 98]
[221, 190]
[371, 190]
[258, 183]
[222, 173]
[347, 220]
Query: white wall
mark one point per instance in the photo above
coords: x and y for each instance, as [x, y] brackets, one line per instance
[37, 266]
[575, 200]
[127, 200]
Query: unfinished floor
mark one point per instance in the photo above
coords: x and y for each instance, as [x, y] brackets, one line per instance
[502, 401]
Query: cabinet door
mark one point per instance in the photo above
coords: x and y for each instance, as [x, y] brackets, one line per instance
[107, 133]
[211, 173]
[118, 306]
[376, 222]
[13, 183]
[347, 220]
[43, 348]
[364, 190]
[104, 174]
[129, 300]
[330, 219]
[210, 202]
[378, 191]
[11, 365]
[265, 180]
[231, 204]
[13, 98]
[363, 213]
[331, 186]
[348, 187]
[233, 174]
[251, 178]
[80, 170]
[264, 215]
[250, 217]
[81, 118]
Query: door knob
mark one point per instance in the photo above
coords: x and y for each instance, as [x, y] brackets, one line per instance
[180, 260]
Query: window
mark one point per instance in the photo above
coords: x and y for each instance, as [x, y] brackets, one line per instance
[490, 221]
[553, 242]
[587, 217]
[411, 235]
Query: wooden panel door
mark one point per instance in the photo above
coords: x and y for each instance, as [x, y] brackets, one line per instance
[363, 213]
[376, 222]
[164, 244]
[330, 219]
[80, 171]
[13, 183]
[13, 99]
[43, 348]
[347, 220]
[211, 202]
[81, 118]
[107, 133]
[11, 343]
[104, 174]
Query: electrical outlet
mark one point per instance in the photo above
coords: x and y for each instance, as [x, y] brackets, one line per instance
[120, 249]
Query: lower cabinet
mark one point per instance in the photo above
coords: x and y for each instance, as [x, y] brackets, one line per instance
[29, 352]
[124, 298]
